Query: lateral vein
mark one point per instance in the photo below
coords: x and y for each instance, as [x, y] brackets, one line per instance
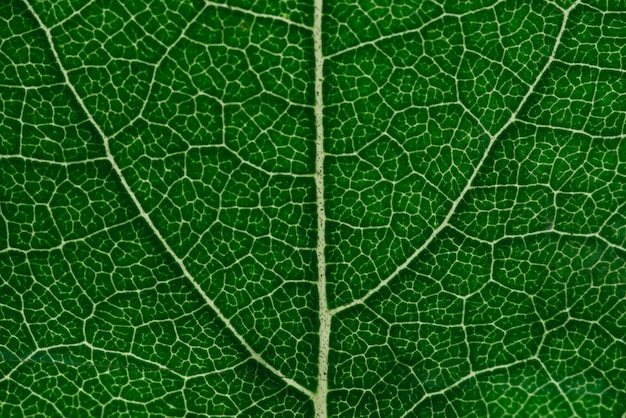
[468, 185]
[256, 356]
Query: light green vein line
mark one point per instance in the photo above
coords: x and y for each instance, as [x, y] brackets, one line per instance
[321, 394]
[256, 14]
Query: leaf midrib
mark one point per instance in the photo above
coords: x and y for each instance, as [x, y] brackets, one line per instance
[324, 315]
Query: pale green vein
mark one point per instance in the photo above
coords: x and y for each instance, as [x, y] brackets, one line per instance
[418, 29]
[465, 378]
[51, 162]
[257, 14]
[325, 317]
[559, 388]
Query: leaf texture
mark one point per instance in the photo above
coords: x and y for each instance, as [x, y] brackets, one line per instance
[313, 208]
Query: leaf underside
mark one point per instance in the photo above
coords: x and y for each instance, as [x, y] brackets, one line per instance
[161, 250]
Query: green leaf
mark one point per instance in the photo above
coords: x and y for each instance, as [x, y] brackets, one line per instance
[313, 208]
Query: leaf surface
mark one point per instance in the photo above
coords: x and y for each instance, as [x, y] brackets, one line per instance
[313, 208]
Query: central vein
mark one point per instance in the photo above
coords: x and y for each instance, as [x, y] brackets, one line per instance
[321, 393]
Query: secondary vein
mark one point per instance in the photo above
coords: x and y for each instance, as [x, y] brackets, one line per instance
[256, 356]
[470, 181]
